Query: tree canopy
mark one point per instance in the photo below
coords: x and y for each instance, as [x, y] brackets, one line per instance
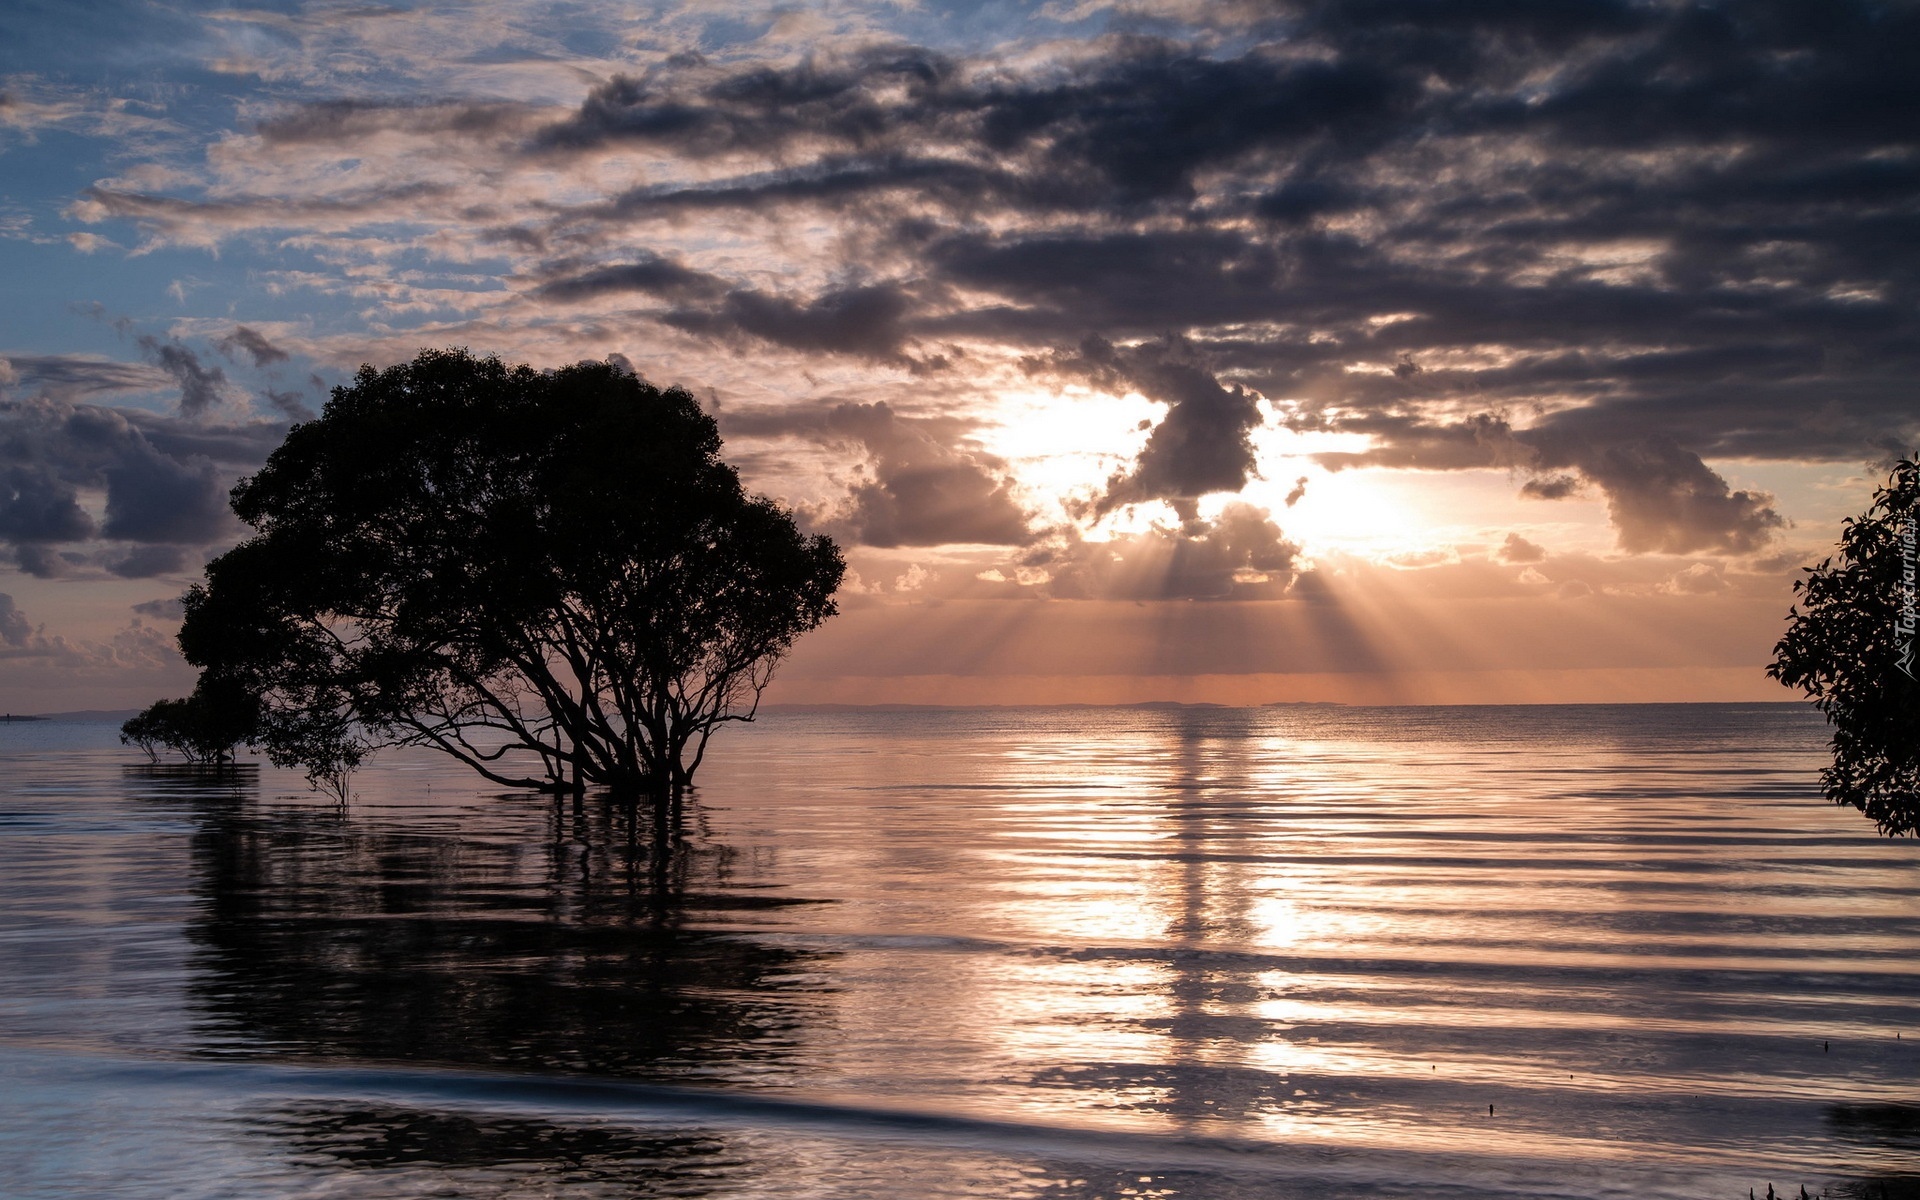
[1850, 646]
[551, 576]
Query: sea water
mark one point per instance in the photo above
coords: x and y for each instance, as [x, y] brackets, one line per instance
[1072, 953]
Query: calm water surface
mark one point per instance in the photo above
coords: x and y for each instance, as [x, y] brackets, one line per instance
[1606, 951]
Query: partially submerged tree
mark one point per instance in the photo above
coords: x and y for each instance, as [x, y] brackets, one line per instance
[551, 576]
[204, 728]
[1850, 646]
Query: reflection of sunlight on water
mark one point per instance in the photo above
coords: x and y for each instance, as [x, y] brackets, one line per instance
[1564, 921]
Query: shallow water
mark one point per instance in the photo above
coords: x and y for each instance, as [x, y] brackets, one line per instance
[1064, 953]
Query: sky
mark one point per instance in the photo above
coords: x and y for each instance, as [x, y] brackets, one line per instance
[1394, 351]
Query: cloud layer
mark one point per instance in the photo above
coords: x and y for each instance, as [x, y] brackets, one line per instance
[1643, 235]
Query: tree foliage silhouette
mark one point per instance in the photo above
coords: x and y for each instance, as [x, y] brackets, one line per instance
[550, 576]
[1850, 646]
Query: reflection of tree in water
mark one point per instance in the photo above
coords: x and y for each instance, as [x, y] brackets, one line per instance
[384, 1137]
[194, 783]
[527, 936]
[1888, 1132]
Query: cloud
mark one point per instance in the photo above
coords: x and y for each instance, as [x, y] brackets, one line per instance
[352, 119]
[1517, 549]
[154, 498]
[137, 649]
[1241, 554]
[144, 562]
[291, 405]
[77, 376]
[1203, 445]
[36, 505]
[651, 274]
[1598, 244]
[30, 104]
[207, 221]
[15, 629]
[1661, 497]
[702, 111]
[1675, 220]
[253, 344]
[1131, 127]
[1550, 487]
[924, 491]
[865, 322]
[921, 485]
[164, 479]
[201, 386]
[44, 562]
[168, 608]
[1699, 579]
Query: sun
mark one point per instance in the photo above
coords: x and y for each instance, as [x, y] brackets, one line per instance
[1354, 511]
[1063, 446]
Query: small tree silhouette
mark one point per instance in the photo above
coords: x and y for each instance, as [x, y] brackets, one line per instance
[550, 576]
[1850, 645]
[204, 728]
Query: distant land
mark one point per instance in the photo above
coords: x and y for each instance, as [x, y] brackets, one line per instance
[1144, 704]
[121, 714]
[83, 714]
[850, 708]
[1155, 705]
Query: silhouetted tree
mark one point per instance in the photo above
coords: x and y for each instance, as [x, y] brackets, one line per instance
[551, 576]
[204, 728]
[1850, 646]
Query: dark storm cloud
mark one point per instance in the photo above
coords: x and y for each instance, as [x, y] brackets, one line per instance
[164, 480]
[44, 562]
[201, 386]
[1660, 496]
[923, 492]
[76, 377]
[1126, 128]
[153, 498]
[651, 274]
[866, 322]
[231, 447]
[36, 505]
[1119, 283]
[255, 345]
[701, 111]
[840, 180]
[1203, 445]
[922, 486]
[144, 562]
[291, 405]
[1550, 487]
